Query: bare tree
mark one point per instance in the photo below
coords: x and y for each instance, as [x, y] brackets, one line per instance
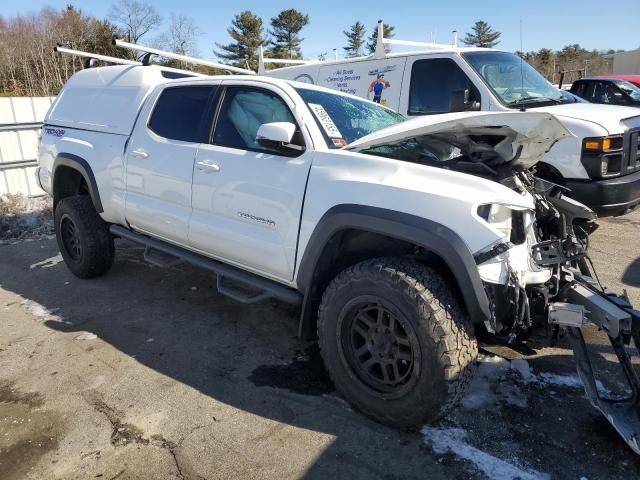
[135, 19]
[28, 64]
[181, 35]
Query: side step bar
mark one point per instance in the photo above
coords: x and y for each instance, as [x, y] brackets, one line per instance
[163, 255]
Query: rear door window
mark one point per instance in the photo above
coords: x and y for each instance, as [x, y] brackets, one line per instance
[181, 113]
[433, 81]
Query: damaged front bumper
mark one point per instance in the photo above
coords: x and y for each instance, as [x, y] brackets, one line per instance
[613, 314]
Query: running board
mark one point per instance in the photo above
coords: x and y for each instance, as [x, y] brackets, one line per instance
[164, 255]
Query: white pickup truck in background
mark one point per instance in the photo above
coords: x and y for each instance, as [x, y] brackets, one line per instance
[600, 162]
[398, 239]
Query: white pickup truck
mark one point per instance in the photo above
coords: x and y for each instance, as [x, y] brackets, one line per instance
[399, 239]
[599, 163]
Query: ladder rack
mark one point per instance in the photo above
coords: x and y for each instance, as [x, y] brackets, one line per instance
[262, 60]
[94, 56]
[181, 58]
[381, 52]
[90, 57]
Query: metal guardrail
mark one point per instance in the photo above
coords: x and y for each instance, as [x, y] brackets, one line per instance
[18, 164]
[15, 127]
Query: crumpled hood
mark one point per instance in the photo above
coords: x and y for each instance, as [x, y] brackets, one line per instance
[607, 116]
[528, 135]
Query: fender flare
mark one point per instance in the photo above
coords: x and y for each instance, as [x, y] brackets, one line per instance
[425, 233]
[83, 167]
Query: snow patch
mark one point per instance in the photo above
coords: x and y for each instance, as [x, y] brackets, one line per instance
[557, 380]
[87, 336]
[37, 310]
[47, 262]
[490, 385]
[522, 366]
[445, 440]
[495, 383]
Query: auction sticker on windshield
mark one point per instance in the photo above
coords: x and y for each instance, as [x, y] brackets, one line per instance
[325, 120]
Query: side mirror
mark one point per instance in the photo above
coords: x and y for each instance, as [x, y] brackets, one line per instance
[462, 101]
[277, 136]
[278, 132]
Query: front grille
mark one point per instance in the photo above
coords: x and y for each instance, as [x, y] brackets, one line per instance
[632, 150]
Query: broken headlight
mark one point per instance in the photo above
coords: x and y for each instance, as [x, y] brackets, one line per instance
[507, 221]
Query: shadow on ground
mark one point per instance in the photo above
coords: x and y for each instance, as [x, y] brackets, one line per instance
[631, 275]
[247, 356]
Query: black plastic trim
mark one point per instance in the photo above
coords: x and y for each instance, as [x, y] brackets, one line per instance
[82, 166]
[422, 232]
[610, 197]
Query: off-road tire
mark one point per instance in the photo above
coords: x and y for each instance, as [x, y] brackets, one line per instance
[95, 243]
[447, 346]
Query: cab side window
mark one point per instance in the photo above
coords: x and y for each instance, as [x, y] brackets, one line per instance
[243, 111]
[579, 89]
[433, 84]
[180, 113]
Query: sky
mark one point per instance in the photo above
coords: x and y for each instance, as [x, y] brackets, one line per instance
[545, 23]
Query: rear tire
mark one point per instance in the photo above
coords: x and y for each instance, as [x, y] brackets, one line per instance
[83, 237]
[396, 341]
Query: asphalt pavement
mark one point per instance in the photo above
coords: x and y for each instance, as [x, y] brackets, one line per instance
[150, 373]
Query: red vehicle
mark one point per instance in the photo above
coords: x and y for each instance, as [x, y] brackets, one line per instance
[635, 79]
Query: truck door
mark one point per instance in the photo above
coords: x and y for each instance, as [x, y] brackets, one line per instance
[159, 160]
[247, 198]
[430, 84]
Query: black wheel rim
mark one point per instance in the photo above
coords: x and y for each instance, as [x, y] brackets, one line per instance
[379, 345]
[71, 239]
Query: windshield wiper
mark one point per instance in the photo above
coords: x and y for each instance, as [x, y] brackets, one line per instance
[523, 100]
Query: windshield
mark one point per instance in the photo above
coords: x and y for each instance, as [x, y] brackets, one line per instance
[514, 81]
[343, 119]
[629, 88]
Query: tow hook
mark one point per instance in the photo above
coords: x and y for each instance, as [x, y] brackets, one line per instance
[614, 315]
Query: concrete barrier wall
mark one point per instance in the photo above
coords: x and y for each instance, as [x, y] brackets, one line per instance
[20, 119]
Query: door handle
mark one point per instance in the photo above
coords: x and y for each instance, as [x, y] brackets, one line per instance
[140, 153]
[207, 166]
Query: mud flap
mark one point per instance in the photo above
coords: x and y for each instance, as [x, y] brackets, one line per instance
[624, 413]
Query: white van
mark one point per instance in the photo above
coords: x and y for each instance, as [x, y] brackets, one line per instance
[600, 164]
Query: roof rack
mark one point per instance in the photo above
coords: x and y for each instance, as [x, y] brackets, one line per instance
[91, 57]
[381, 51]
[262, 60]
[183, 58]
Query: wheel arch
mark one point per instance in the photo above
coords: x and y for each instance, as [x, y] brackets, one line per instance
[69, 174]
[349, 233]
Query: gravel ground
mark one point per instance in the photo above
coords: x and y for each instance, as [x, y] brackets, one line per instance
[149, 373]
[25, 218]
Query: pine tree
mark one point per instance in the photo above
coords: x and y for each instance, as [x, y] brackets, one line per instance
[373, 38]
[247, 33]
[483, 35]
[355, 40]
[285, 29]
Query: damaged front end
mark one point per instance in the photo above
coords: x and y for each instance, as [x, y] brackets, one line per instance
[537, 271]
[548, 281]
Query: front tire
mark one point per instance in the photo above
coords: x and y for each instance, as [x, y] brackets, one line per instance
[396, 341]
[83, 237]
